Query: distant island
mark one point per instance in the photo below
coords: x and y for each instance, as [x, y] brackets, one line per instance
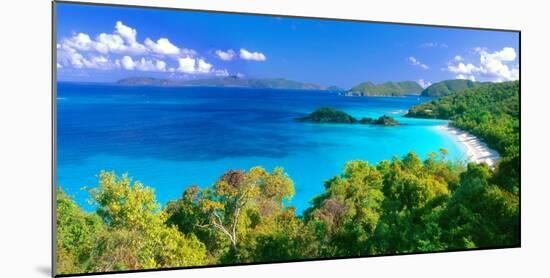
[331, 115]
[390, 88]
[335, 89]
[363, 89]
[385, 89]
[230, 81]
[448, 87]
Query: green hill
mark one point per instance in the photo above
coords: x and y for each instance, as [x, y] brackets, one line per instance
[385, 89]
[489, 111]
[447, 87]
[147, 81]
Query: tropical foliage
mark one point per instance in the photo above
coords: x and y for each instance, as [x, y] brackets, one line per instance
[491, 112]
[333, 116]
[397, 206]
[128, 231]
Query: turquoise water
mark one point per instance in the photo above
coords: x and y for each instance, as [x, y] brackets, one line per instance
[171, 138]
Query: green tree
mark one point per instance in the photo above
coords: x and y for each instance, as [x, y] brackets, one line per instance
[75, 236]
[414, 193]
[137, 236]
[346, 215]
[237, 205]
[480, 214]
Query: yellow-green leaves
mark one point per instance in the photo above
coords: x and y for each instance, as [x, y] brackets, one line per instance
[75, 236]
[124, 203]
[132, 235]
[397, 206]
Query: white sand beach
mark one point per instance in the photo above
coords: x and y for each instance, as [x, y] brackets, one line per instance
[476, 149]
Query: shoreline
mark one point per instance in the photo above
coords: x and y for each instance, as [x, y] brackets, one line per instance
[476, 149]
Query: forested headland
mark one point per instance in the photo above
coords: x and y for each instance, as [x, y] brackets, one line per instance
[490, 112]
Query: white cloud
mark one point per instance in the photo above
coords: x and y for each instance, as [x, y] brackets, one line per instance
[415, 62]
[110, 43]
[221, 73]
[507, 54]
[126, 32]
[121, 49]
[162, 46]
[130, 35]
[462, 68]
[253, 56]
[127, 63]
[70, 57]
[194, 66]
[145, 65]
[142, 64]
[203, 67]
[493, 66]
[423, 83]
[226, 55]
[160, 65]
[123, 40]
[97, 62]
[186, 65]
[466, 76]
[433, 45]
[79, 41]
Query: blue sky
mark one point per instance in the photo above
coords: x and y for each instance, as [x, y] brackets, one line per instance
[104, 44]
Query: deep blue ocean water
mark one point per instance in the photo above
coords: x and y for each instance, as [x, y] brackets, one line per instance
[171, 138]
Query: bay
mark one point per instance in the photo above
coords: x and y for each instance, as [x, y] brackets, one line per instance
[172, 137]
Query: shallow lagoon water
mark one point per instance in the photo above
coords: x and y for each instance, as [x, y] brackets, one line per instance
[171, 138]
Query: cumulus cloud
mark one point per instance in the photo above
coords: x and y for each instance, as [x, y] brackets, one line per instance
[253, 56]
[186, 65]
[192, 65]
[79, 41]
[494, 66]
[162, 46]
[160, 65]
[142, 64]
[121, 49]
[424, 83]
[123, 40]
[226, 55]
[69, 57]
[203, 66]
[127, 63]
[415, 62]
